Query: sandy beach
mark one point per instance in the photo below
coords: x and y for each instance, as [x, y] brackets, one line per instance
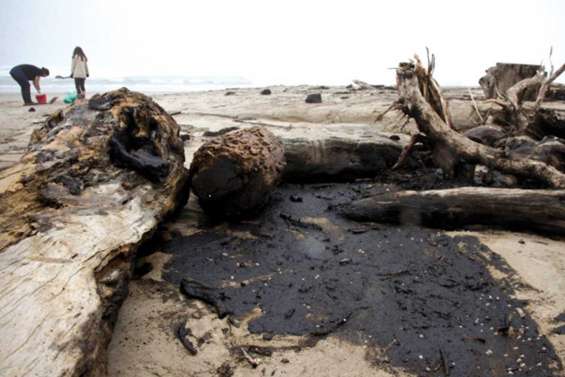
[342, 113]
[144, 343]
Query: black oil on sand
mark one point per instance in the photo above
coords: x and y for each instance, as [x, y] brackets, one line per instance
[425, 297]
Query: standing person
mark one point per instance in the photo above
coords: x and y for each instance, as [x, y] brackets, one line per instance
[79, 71]
[23, 74]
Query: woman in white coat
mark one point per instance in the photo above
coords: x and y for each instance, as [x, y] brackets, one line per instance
[79, 71]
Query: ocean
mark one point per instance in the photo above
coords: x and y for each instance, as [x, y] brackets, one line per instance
[146, 84]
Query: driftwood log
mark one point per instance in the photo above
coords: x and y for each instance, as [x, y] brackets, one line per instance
[531, 210]
[551, 122]
[503, 76]
[519, 108]
[96, 181]
[507, 150]
[421, 99]
[234, 174]
[340, 159]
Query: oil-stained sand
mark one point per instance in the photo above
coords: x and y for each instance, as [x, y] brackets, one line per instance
[426, 298]
[145, 343]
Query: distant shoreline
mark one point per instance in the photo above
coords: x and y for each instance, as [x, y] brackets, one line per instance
[14, 90]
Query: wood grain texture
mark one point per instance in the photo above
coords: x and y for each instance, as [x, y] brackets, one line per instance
[71, 218]
[529, 210]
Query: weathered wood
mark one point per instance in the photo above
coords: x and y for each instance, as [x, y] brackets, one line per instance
[519, 116]
[547, 84]
[340, 159]
[96, 180]
[503, 76]
[556, 92]
[487, 134]
[550, 122]
[529, 210]
[449, 147]
[234, 174]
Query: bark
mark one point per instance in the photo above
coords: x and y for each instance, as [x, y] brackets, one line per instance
[529, 210]
[97, 179]
[234, 174]
[449, 147]
[340, 159]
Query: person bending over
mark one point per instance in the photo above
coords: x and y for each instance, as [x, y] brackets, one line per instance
[23, 74]
[79, 71]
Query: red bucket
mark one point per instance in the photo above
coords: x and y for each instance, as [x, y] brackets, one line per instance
[41, 98]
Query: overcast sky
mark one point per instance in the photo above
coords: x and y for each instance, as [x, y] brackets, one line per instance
[284, 41]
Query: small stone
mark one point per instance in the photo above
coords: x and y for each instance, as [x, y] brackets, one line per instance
[314, 98]
[266, 92]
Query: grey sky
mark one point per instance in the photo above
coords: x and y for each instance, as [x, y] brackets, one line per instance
[291, 41]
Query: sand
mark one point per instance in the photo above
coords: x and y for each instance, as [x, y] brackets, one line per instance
[144, 344]
[342, 113]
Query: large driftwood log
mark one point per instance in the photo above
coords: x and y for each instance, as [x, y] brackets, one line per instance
[530, 210]
[340, 159]
[97, 179]
[503, 76]
[234, 174]
[519, 107]
[449, 147]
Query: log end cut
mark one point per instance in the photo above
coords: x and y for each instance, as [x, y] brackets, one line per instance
[234, 174]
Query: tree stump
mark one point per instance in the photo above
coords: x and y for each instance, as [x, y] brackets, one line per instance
[234, 174]
[419, 94]
[504, 75]
[96, 181]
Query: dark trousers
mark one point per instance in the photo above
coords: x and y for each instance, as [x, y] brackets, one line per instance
[21, 79]
[79, 84]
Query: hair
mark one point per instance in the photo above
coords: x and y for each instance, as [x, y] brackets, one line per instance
[44, 72]
[78, 52]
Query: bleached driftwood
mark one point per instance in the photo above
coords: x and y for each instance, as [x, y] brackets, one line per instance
[96, 181]
[503, 76]
[340, 159]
